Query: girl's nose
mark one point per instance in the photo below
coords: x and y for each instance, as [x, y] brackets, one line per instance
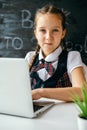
[48, 35]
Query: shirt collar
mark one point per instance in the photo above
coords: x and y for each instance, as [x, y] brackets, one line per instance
[51, 57]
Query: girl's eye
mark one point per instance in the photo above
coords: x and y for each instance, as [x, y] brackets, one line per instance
[42, 30]
[55, 30]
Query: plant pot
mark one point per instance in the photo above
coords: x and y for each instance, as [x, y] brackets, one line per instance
[82, 123]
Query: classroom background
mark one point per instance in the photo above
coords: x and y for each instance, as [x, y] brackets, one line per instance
[16, 26]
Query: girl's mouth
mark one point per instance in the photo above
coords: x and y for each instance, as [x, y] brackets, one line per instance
[48, 43]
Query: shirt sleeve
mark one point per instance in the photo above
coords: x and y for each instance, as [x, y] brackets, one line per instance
[74, 60]
[85, 70]
[29, 56]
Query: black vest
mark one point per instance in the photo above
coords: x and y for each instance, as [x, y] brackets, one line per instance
[59, 79]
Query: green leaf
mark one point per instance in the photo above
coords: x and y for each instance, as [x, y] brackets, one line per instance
[82, 104]
[84, 94]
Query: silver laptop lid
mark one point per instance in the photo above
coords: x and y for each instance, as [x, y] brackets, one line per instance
[15, 89]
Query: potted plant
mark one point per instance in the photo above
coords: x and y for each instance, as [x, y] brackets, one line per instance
[82, 107]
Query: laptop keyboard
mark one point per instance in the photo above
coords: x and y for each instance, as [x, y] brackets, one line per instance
[37, 107]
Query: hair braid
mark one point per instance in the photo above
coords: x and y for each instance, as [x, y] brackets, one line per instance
[33, 58]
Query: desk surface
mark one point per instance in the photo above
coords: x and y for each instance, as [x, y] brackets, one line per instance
[62, 116]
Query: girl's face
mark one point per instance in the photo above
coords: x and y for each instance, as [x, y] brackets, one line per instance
[49, 32]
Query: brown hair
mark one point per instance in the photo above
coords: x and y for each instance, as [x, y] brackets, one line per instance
[52, 10]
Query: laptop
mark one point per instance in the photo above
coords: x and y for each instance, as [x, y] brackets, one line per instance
[15, 90]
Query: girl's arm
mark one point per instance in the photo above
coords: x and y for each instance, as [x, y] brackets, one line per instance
[64, 94]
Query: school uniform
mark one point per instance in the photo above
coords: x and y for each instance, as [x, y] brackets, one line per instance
[55, 70]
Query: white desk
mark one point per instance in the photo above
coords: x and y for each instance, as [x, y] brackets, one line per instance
[62, 116]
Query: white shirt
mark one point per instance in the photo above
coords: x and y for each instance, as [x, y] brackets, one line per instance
[73, 61]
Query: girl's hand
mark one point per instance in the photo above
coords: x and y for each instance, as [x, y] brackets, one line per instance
[36, 93]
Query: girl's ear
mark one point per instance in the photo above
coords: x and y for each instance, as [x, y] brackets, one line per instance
[64, 33]
[34, 33]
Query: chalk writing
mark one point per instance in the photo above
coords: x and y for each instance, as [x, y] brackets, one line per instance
[16, 43]
[26, 21]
